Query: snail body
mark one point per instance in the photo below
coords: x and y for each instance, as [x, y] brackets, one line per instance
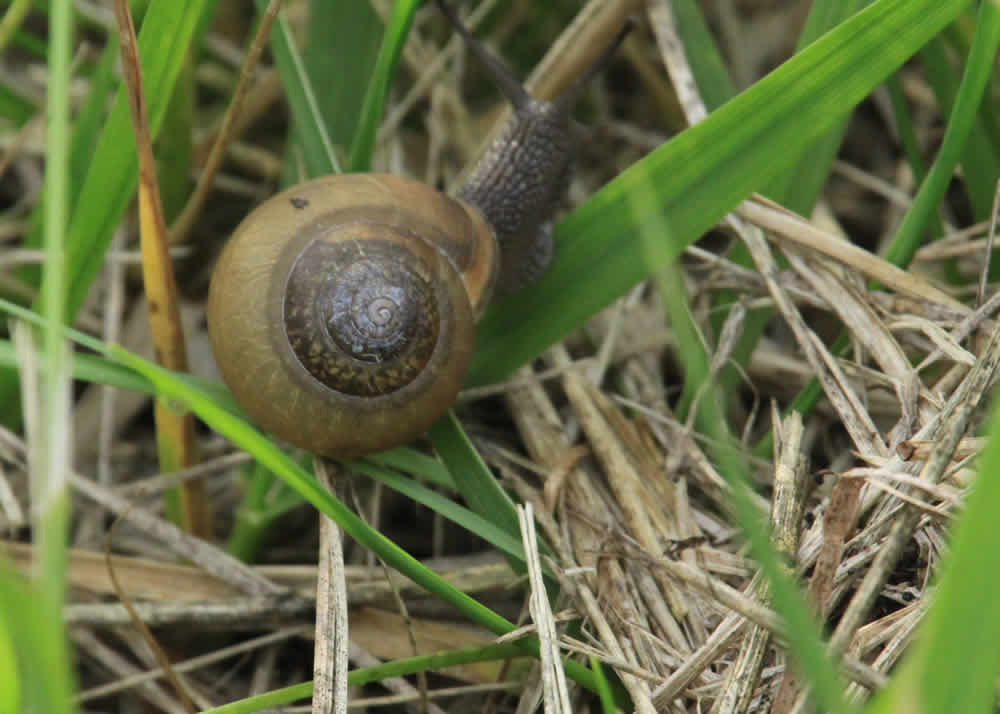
[341, 312]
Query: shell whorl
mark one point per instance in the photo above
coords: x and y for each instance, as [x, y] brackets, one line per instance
[361, 315]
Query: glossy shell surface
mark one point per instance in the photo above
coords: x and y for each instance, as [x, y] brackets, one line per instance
[341, 311]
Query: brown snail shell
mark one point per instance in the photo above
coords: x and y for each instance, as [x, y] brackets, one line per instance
[342, 311]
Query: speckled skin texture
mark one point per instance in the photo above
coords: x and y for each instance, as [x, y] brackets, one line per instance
[517, 185]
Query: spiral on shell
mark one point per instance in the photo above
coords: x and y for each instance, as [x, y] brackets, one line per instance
[361, 315]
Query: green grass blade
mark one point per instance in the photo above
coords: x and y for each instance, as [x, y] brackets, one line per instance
[467, 519]
[977, 72]
[15, 108]
[366, 675]
[11, 20]
[393, 40]
[42, 677]
[977, 158]
[86, 131]
[416, 463]
[342, 34]
[472, 476]
[703, 173]
[953, 665]
[10, 694]
[51, 447]
[100, 370]
[175, 148]
[164, 42]
[904, 123]
[318, 154]
[798, 188]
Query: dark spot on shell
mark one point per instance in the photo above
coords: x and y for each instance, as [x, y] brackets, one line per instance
[298, 203]
[158, 355]
[154, 307]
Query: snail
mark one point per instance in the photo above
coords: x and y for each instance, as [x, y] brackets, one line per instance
[341, 312]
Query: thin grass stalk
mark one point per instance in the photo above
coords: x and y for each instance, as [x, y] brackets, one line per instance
[182, 226]
[175, 436]
[12, 20]
[385, 67]
[978, 69]
[319, 156]
[50, 490]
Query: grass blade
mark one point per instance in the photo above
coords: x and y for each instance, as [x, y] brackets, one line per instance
[393, 40]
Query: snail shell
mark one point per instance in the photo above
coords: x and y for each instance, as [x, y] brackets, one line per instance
[342, 311]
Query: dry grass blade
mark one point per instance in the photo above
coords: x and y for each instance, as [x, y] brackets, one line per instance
[236, 613]
[969, 324]
[661, 17]
[839, 520]
[839, 391]
[988, 257]
[156, 694]
[180, 586]
[577, 541]
[948, 433]
[11, 513]
[194, 663]
[147, 635]
[175, 431]
[330, 662]
[181, 228]
[921, 449]
[182, 544]
[555, 693]
[786, 522]
[866, 328]
[648, 527]
[783, 225]
[945, 342]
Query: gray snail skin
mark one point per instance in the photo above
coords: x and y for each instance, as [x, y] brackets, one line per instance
[342, 310]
